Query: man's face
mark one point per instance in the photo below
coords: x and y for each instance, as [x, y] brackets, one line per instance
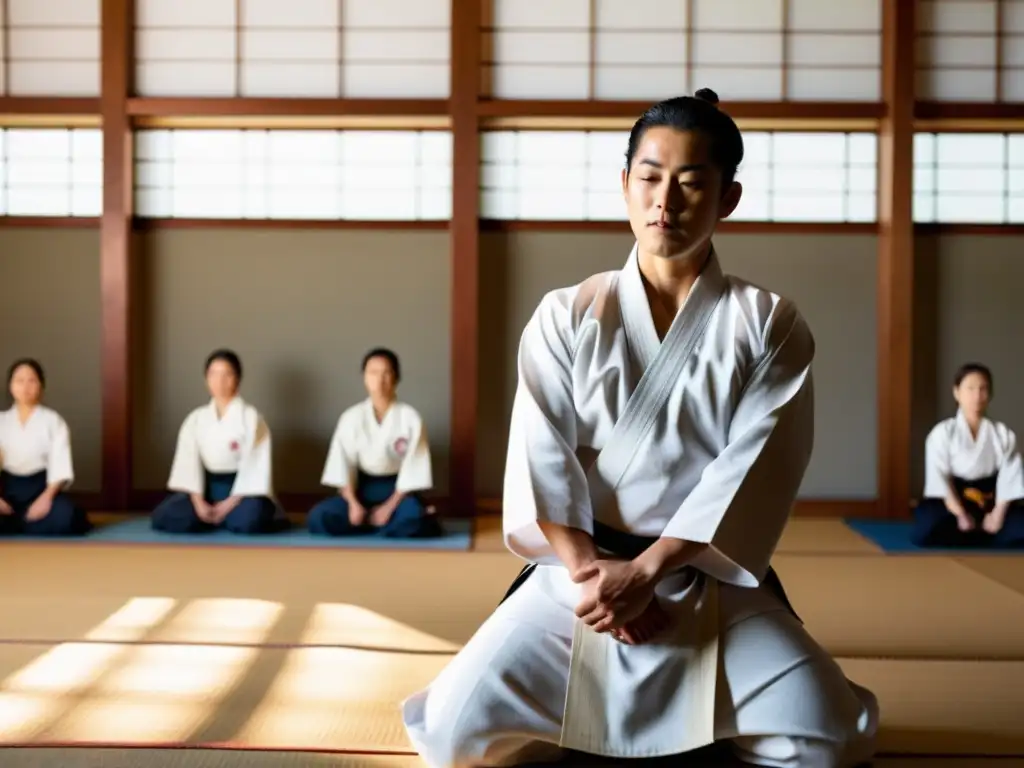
[973, 394]
[674, 193]
[26, 389]
[379, 377]
[221, 380]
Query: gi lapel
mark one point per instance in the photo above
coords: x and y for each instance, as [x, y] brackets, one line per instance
[661, 374]
[598, 719]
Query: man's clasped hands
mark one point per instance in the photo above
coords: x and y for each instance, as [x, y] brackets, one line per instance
[618, 597]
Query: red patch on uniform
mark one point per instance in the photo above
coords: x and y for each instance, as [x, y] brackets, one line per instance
[400, 446]
[234, 445]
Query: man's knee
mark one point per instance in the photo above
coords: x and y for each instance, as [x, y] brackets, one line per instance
[789, 751]
[849, 747]
[467, 739]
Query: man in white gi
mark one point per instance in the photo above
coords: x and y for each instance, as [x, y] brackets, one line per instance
[660, 432]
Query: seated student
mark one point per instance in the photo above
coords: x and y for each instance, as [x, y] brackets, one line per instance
[974, 484]
[35, 462]
[222, 470]
[378, 460]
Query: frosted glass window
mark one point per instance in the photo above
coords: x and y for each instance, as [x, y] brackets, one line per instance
[396, 48]
[634, 59]
[809, 177]
[968, 178]
[646, 50]
[51, 172]
[299, 48]
[284, 174]
[552, 175]
[957, 49]
[52, 48]
[576, 176]
[186, 48]
[537, 50]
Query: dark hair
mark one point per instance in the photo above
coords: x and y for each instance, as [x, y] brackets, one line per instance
[388, 355]
[31, 363]
[967, 369]
[228, 357]
[699, 112]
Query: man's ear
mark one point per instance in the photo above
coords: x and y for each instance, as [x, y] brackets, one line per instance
[730, 200]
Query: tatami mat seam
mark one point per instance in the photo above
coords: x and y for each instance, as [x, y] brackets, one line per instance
[991, 579]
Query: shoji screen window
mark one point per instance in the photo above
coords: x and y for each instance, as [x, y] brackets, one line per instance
[808, 177]
[282, 174]
[969, 178]
[294, 48]
[50, 48]
[51, 172]
[576, 176]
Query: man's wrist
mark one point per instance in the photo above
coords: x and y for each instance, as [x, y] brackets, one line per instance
[664, 556]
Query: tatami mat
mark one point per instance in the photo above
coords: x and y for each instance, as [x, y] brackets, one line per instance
[884, 615]
[854, 605]
[823, 537]
[802, 535]
[342, 699]
[314, 698]
[907, 607]
[72, 590]
[946, 707]
[1006, 570]
[195, 758]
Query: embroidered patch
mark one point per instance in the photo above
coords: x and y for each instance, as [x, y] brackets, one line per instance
[401, 446]
[234, 445]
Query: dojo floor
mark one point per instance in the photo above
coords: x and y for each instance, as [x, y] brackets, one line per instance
[121, 655]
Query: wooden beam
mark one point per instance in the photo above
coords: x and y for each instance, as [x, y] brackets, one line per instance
[141, 224]
[465, 253]
[49, 222]
[941, 110]
[730, 227]
[48, 105]
[117, 35]
[896, 259]
[260, 107]
[840, 110]
[625, 123]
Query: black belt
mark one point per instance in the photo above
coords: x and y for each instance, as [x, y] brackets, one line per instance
[631, 546]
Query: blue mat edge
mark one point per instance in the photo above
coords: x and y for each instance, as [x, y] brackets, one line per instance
[883, 532]
[135, 530]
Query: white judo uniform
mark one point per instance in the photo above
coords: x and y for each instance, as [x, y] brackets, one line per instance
[238, 442]
[705, 437]
[952, 451]
[43, 442]
[395, 445]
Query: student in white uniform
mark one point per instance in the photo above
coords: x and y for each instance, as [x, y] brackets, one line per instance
[222, 475]
[974, 482]
[660, 431]
[35, 461]
[379, 462]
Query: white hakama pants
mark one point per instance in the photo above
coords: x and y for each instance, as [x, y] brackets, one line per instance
[783, 701]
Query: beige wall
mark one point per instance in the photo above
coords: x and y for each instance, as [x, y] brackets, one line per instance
[301, 307]
[50, 310]
[968, 290]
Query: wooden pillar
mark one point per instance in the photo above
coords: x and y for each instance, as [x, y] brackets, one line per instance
[464, 232]
[896, 258]
[117, 36]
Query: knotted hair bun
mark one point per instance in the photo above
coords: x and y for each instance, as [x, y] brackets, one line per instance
[699, 112]
[706, 94]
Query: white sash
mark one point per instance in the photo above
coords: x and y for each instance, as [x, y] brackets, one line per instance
[596, 720]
